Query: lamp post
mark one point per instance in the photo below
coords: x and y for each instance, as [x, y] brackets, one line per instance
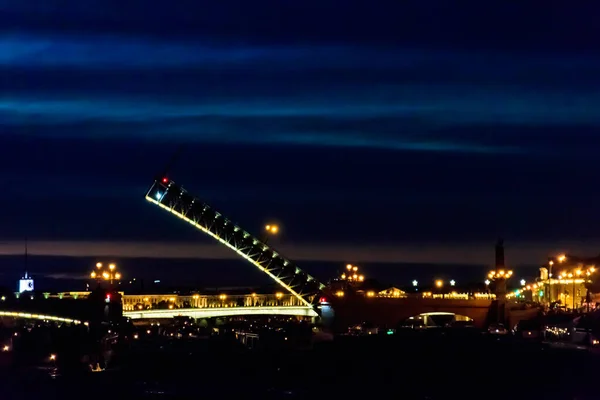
[270, 230]
[106, 274]
[351, 274]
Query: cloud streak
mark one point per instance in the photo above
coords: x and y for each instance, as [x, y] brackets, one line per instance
[471, 253]
[310, 95]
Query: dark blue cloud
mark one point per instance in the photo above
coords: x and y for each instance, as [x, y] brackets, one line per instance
[311, 95]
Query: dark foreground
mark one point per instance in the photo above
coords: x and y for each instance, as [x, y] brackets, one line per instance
[424, 366]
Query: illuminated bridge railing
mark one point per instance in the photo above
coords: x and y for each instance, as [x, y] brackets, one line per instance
[173, 198]
[174, 302]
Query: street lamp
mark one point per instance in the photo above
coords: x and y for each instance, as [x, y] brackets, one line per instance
[523, 282]
[271, 229]
[452, 282]
[415, 283]
[108, 274]
[439, 283]
[351, 274]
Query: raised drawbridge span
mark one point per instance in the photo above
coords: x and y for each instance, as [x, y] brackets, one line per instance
[175, 199]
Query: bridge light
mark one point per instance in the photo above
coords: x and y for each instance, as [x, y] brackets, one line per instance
[93, 275]
[52, 357]
[5, 348]
[361, 278]
[117, 276]
[99, 265]
[165, 180]
[415, 283]
[523, 282]
[452, 282]
[112, 266]
[562, 258]
[105, 275]
[349, 267]
[439, 283]
[278, 295]
[487, 282]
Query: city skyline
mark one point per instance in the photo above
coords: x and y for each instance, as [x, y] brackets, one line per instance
[404, 145]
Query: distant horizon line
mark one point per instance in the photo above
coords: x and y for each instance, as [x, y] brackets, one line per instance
[476, 253]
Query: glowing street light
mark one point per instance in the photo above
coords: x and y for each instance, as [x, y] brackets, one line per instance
[487, 282]
[452, 282]
[415, 283]
[352, 274]
[439, 283]
[523, 282]
[272, 229]
[105, 274]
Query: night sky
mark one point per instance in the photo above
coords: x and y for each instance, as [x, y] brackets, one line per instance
[395, 132]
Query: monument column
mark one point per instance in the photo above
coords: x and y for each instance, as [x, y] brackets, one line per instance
[499, 275]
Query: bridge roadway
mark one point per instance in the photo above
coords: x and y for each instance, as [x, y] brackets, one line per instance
[347, 311]
[301, 311]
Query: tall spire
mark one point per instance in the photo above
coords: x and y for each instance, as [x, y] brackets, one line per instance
[26, 257]
[500, 253]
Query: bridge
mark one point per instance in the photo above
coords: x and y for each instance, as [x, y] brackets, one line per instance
[304, 288]
[38, 317]
[198, 313]
[302, 295]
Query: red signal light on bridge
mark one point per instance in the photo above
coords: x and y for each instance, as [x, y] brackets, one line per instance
[165, 180]
[323, 300]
